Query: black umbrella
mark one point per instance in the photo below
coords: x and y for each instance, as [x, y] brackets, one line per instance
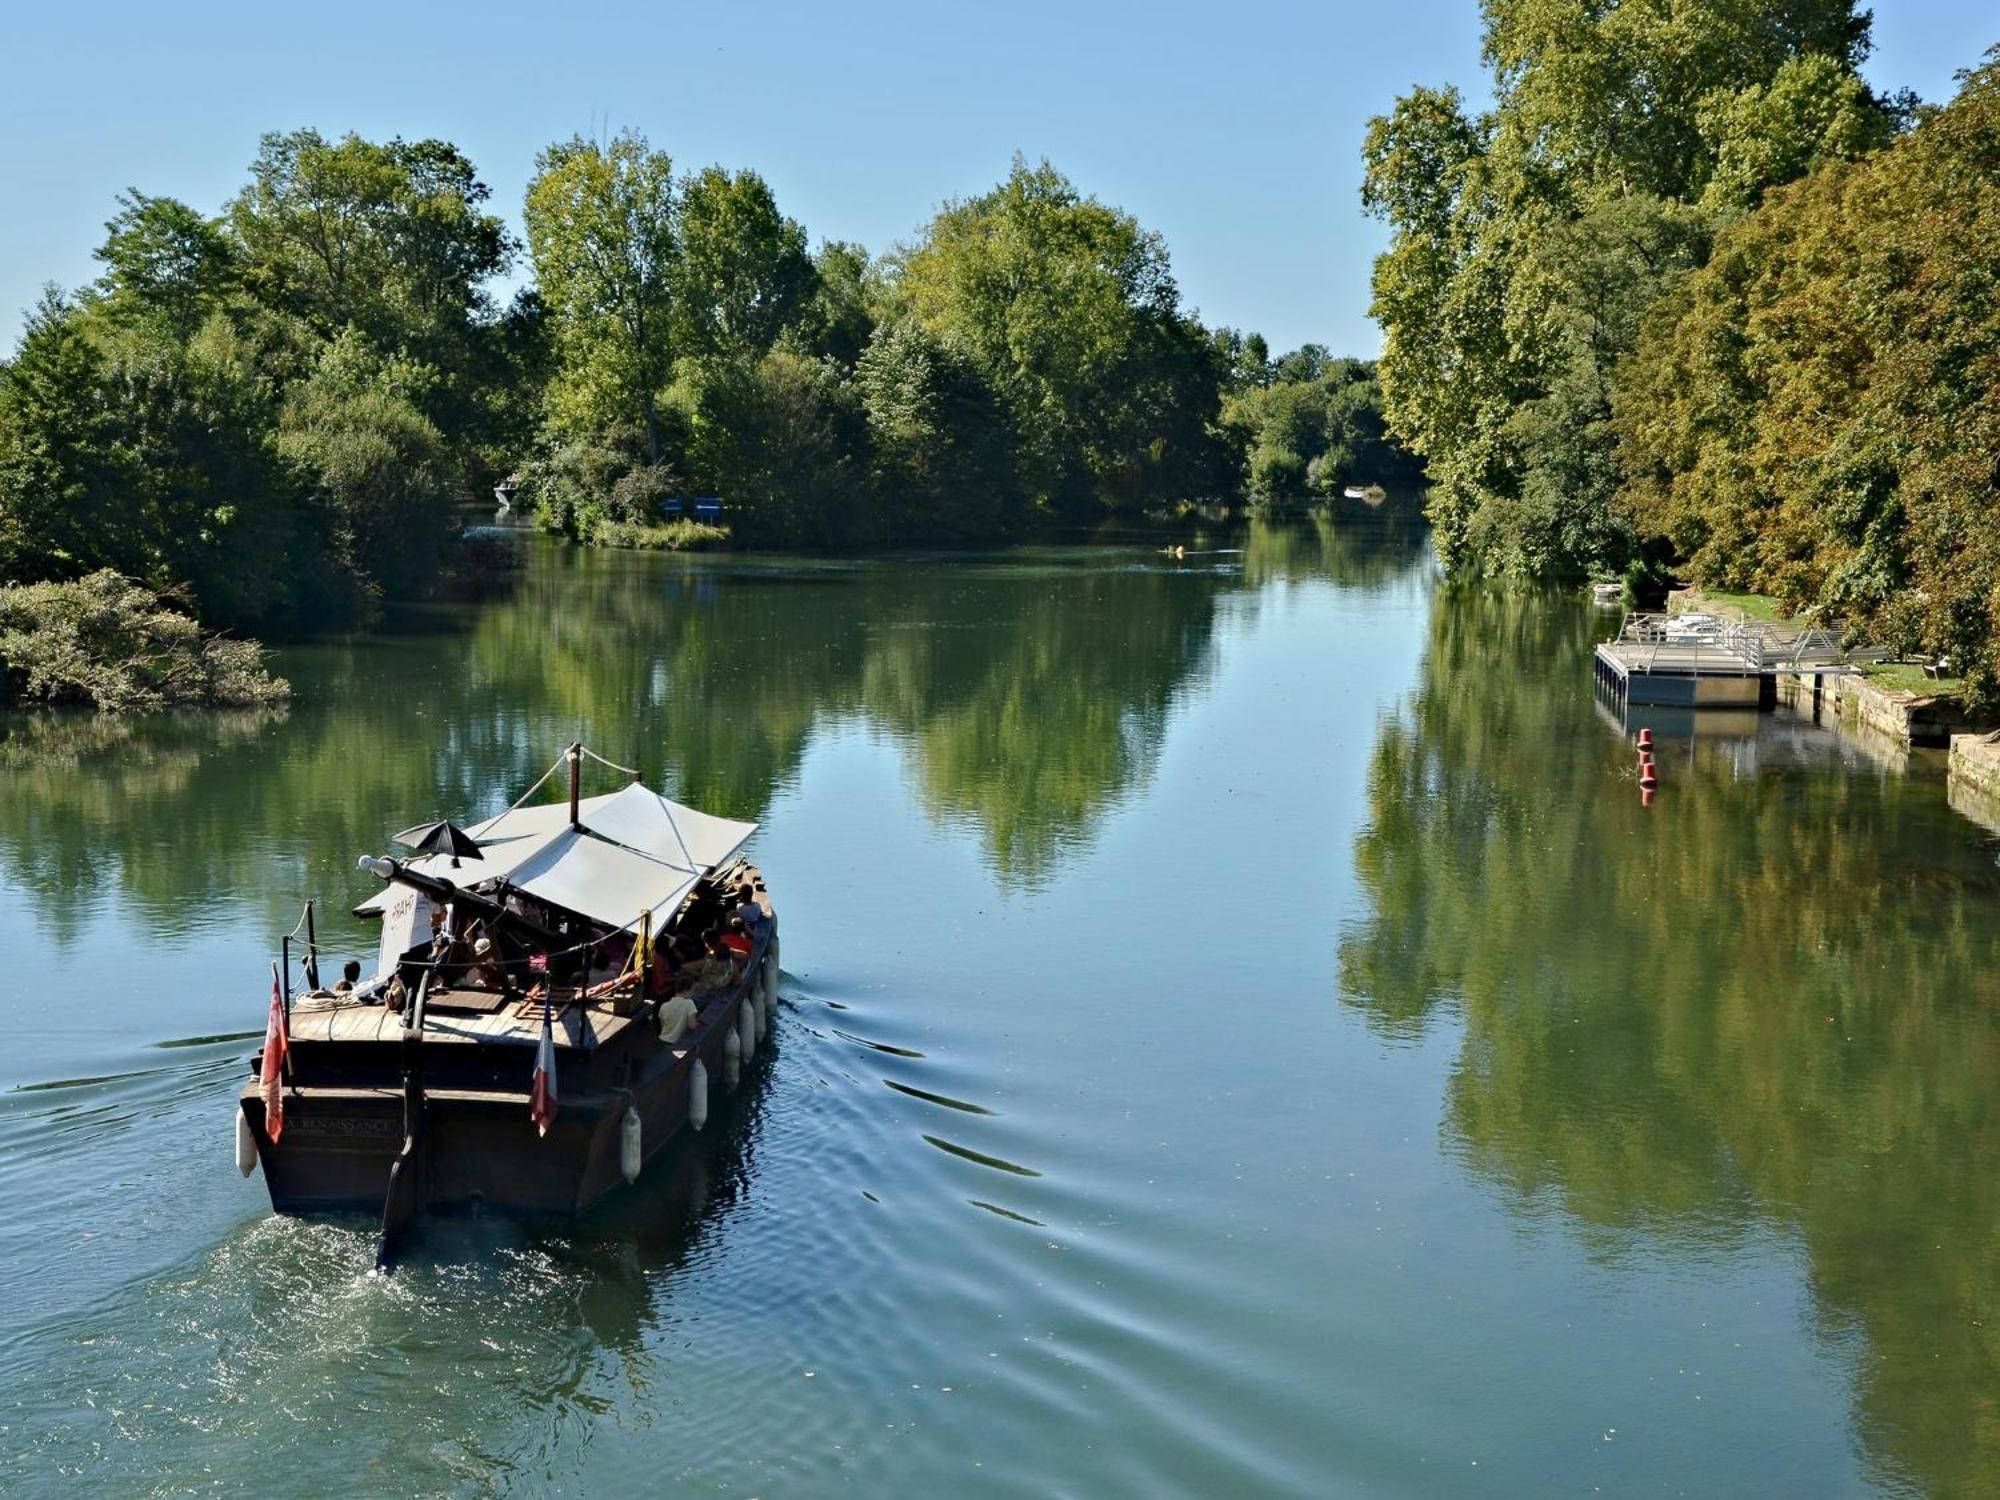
[440, 838]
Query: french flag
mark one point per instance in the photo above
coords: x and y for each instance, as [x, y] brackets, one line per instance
[277, 1042]
[542, 1096]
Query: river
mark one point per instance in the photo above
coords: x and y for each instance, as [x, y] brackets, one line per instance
[1241, 1035]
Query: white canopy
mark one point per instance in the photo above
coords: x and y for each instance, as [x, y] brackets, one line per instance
[635, 817]
[652, 824]
[646, 854]
[542, 817]
[604, 882]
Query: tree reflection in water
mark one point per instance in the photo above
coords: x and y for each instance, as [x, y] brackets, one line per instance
[1031, 690]
[1766, 1000]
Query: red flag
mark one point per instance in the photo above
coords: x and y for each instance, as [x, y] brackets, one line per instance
[276, 1044]
[542, 1097]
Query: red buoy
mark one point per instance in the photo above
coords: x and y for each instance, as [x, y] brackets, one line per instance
[1648, 777]
[1645, 757]
[1645, 796]
[1645, 739]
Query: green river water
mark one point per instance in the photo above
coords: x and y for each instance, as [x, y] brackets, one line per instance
[1241, 1035]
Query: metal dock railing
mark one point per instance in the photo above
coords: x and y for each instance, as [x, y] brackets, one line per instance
[1692, 659]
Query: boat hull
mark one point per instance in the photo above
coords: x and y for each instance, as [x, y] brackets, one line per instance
[480, 1147]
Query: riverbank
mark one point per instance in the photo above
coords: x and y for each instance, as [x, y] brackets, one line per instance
[669, 536]
[1894, 699]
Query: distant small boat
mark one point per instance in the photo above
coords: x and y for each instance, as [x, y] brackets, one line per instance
[1607, 595]
[1368, 494]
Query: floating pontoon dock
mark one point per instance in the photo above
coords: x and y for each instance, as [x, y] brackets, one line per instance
[1704, 661]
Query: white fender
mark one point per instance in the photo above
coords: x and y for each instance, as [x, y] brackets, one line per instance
[698, 1095]
[631, 1144]
[746, 1027]
[732, 1060]
[753, 1001]
[246, 1144]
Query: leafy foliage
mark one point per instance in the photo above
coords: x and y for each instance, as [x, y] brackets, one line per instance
[105, 642]
[1816, 412]
[1314, 425]
[1071, 309]
[601, 229]
[269, 413]
[1530, 241]
[941, 437]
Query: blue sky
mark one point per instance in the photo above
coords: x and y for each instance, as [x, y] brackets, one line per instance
[1232, 129]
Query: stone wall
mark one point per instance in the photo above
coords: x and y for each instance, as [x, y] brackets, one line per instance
[1975, 777]
[1912, 718]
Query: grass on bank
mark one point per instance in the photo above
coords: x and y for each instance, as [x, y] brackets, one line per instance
[671, 536]
[1760, 607]
[1893, 676]
[1909, 677]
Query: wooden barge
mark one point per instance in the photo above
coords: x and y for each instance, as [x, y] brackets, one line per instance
[532, 1045]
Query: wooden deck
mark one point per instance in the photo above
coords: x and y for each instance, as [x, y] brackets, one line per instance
[478, 1015]
[315, 1020]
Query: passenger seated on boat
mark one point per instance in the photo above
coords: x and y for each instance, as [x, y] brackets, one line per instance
[720, 947]
[350, 976]
[662, 969]
[736, 938]
[487, 972]
[448, 954]
[711, 974]
[677, 1018]
[747, 908]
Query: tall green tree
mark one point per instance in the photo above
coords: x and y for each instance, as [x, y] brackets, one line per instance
[1071, 309]
[391, 238]
[940, 436]
[165, 261]
[846, 291]
[602, 231]
[63, 471]
[1528, 241]
[743, 275]
[357, 437]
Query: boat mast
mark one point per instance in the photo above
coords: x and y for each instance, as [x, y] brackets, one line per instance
[574, 755]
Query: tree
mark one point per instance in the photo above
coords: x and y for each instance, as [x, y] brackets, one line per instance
[63, 470]
[602, 232]
[940, 437]
[1527, 242]
[164, 261]
[356, 434]
[841, 315]
[1072, 312]
[784, 441]
[742, 276]
[390, 238]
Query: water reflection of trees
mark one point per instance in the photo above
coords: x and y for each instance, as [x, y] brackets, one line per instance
[1762, 1001]
[1031, 695]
